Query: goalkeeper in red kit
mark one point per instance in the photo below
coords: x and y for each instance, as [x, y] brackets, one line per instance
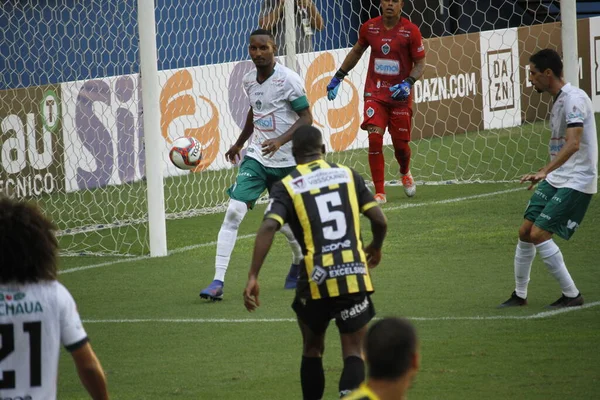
[397, 61]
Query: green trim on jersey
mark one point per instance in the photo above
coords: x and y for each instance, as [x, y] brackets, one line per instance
[300, 103]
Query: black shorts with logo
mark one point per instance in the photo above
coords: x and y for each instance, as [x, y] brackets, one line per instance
[350, 311]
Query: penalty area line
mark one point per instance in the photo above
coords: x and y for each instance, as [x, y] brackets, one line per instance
[541, 315]
[197, 246]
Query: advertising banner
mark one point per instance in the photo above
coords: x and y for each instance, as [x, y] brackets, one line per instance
[31, 151]
[500, 78]
[594, 46]
[471, 82]
[102, 132]
[447, 99]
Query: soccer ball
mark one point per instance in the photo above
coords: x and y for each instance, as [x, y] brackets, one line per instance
[186, 153]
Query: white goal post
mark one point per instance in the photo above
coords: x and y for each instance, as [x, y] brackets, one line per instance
[80, 136]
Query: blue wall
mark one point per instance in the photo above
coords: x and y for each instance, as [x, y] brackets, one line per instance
[65, 40]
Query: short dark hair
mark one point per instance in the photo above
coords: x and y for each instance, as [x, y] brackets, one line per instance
[390, 346]
[307, 140]
[28, 245]
[548, 58]
[261, 31]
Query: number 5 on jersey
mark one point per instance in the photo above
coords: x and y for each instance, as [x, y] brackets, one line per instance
[325, 202]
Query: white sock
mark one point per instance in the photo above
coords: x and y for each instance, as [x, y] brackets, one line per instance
[555, 263]
[228, 235]
[296, 249]
[524, 255]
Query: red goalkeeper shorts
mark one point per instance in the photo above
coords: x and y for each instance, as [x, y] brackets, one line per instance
[398, 120]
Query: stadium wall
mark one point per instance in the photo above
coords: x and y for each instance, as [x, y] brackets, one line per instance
[88, 133]
[93, 39]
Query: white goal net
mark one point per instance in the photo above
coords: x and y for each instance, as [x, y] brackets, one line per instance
[71, 131]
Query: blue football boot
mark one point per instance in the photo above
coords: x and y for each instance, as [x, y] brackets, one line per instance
[214, 291]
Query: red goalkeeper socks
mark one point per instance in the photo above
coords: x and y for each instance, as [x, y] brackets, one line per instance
[402, 153]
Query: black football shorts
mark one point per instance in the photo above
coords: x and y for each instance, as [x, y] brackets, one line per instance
[350, 311]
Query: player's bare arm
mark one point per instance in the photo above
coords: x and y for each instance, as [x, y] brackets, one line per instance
[571, 146]
[271, 146]
[418, 69]
[90, 372]
[379, 230]
[233, 153]
[349, 62]
[262, 245]
[267, 20]
[353, 57]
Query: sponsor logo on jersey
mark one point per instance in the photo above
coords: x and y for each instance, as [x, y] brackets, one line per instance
[320, 178]
[404, 33]
[299, 183]
[385, 49]
[572, 225]
[373, 29]
[347, 269]
[258, 105]
[266, 123]
[319, 274]
[12, 297]
[334, 246]
[384, 66]
[370, 112]
[545, 216]
[355, 310]
[401, 112]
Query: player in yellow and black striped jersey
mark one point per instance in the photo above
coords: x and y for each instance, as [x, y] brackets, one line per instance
[322, 203]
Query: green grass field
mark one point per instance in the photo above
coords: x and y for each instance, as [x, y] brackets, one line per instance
[446, 265]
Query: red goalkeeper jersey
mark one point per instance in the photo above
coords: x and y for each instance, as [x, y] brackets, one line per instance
[393, 52]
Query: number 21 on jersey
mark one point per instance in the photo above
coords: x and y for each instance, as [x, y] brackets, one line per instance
[7, 341]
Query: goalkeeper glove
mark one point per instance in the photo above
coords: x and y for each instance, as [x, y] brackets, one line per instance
[334, 85]
[401, 91]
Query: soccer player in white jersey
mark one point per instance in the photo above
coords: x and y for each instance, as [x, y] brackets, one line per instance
[278, 106]
[567, 182]
[37, 313]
